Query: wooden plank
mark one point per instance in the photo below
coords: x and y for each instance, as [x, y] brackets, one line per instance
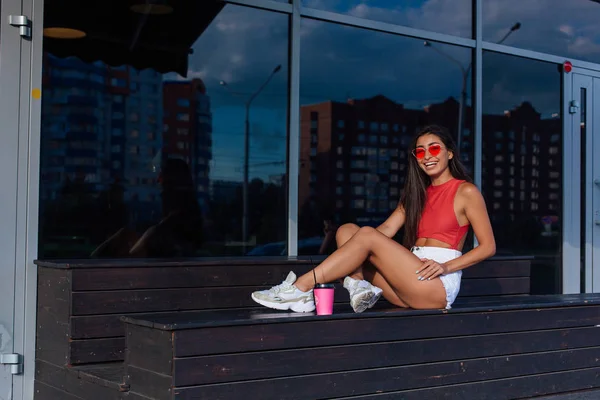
[140, 301]
[118, 278]
[69, 381]
[47, 392]
[97, 326]
[252, 316]
[579, 395]
[132, 301]
[135, 396]
[208, 261]
[54, 307]
[150, 384]
[102, 326]
[499, 269]
[190, 262]
[272, 364]
[126, 278]
[325, 332]
[97, 350]
[503, 389]
[105, 326]
[494, 286]
[104, 374]
[399, 378]
[150, 349]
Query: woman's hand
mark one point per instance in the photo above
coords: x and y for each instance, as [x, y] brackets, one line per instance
[430, 269]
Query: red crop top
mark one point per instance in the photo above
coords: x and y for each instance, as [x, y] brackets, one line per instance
[438, 220]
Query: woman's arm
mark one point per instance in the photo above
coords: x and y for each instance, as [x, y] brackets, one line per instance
[476, 212]
[395, 221]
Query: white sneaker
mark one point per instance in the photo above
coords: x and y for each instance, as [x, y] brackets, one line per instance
[286, 296]
[363, 295]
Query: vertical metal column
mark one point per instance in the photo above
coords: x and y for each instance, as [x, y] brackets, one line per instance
[478, 98]
[294, 129]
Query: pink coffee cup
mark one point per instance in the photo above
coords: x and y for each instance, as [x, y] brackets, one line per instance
[323, 293]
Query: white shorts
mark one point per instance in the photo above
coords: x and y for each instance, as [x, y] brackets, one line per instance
[450, 281]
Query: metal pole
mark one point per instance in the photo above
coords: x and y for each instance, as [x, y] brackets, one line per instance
[465, 72]
[461, 105]
[245, 220]
[245, 185]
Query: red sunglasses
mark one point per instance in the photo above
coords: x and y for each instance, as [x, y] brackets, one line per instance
[434, 149]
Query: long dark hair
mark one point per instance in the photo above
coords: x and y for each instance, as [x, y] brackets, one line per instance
[415, 187]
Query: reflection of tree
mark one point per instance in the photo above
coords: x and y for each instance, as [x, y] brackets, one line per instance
[314, 212]
[80, 216]
[178, 233]
[267, 218]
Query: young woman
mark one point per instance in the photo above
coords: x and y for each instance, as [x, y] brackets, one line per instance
[436, 209]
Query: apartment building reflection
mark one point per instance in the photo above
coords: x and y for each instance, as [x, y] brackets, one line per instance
[100, 136]
[522, 164]
[187, 131]
[355, 157]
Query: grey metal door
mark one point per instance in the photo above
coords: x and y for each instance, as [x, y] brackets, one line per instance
[15, 50]
[582, 272]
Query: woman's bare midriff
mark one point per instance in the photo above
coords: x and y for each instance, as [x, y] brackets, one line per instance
[428, 242]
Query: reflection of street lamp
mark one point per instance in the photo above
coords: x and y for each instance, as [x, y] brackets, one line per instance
[513, 28]
[465, 74]
[247, 152]
[463, 93]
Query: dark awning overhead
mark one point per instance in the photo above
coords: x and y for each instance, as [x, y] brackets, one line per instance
[118, 36]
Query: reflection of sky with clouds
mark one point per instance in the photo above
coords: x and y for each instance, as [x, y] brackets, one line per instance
[243, 45]
[451, 17]
[568, 28]
[338, 62]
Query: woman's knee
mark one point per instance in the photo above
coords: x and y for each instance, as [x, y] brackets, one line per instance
[345, 232]
[367, 232]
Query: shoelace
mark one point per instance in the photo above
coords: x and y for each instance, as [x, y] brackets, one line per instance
[276, 289]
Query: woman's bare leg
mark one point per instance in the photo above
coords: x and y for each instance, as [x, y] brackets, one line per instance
[367, 270]
[394, 262]
[343, 234]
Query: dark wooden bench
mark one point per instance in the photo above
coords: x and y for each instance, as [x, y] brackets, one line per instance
[80, 302]
[81, 336]
[503, 350]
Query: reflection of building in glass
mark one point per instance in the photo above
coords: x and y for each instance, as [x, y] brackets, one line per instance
[142, 139]
[224, 191]
[522, 164]
[100, 126]
[74, 124]
[187, 132]
[353, 158]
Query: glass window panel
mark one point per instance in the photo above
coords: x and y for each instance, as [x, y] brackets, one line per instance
[521, 106]
[565, 28]
[431, 15]
[176, 191]
[385, 90]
